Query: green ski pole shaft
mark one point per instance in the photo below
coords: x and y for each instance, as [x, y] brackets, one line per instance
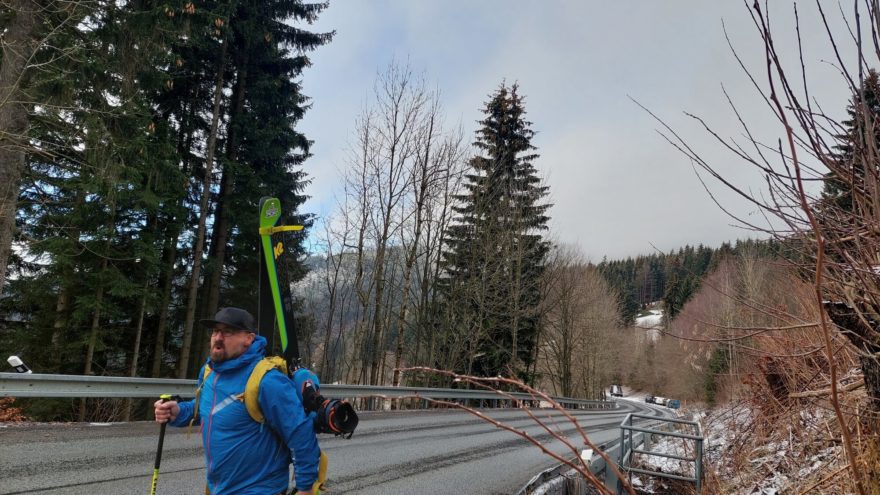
[164, 398]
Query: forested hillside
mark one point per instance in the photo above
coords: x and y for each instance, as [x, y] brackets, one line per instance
[671, 278]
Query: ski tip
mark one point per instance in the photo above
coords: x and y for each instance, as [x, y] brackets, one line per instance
[270, 212]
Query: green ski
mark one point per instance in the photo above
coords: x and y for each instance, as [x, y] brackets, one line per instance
[274, 296]
[331, 416]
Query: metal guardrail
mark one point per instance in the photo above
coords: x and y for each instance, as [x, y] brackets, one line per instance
[629, 445]
[563, 480]
[77, 386]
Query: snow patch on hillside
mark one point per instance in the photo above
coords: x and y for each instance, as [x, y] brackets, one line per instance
[652, 322]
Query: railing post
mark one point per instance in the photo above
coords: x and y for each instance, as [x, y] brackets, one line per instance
[629, 458]
[620, 462]
[698, 468]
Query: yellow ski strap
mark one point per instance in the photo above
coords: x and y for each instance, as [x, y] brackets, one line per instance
[280, 228]
[322, 474]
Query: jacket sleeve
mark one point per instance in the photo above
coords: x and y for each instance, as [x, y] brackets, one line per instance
[187, 408]
[284, 413]
[300, 377]
[185, 414]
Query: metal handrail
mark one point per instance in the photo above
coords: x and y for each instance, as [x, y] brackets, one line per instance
[79, 386]
[629, 446]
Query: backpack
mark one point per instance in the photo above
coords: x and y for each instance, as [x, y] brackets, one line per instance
[251, 394]
[251, 399]
[328, 415]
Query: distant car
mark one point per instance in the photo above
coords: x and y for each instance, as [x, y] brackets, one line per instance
[616, 391]
[673, 403]
[660, 401]
[649, 399]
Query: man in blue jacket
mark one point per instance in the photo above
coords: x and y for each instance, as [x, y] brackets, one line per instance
[244, 457]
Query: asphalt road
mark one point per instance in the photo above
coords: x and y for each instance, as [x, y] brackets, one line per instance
[425, 452]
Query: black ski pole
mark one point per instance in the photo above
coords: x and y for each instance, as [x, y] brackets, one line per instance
[164, 398]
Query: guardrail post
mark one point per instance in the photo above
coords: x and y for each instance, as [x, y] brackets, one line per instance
[620, 463]
[630, 453]
[698, 466]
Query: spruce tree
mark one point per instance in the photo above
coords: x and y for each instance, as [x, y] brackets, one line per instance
[863, 118]
[495, 251]
[262, 152]
[91, 194]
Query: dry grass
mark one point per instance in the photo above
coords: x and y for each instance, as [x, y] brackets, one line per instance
[783, 431]
[8, 412]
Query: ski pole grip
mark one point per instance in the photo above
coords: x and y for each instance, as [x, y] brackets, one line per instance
[167, 397]
[163, 398]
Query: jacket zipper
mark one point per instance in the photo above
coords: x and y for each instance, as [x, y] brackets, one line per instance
[210, 421]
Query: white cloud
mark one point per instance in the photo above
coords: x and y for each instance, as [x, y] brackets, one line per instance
[618, 187]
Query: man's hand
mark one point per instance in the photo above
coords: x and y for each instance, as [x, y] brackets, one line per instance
[166, 411]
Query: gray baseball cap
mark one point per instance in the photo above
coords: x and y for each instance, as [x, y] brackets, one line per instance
[233, 317]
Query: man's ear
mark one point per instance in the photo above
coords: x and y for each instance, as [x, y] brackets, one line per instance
[252, 336]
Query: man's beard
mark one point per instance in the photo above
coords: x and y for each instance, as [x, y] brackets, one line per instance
[219, 355]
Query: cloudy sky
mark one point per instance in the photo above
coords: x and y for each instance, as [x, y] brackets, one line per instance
[617, 186]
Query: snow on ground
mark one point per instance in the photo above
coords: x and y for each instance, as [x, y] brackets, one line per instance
[660, 445]
[652, 322]
[744, 453]
[782, 462]
[786, 457]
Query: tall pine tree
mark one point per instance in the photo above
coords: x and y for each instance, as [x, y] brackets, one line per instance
[863, 120]
[495, 251]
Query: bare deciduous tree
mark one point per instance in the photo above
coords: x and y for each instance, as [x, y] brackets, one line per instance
[382, 244]
[580, 312]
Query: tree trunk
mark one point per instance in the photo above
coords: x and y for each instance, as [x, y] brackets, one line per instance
[59, 325]
[192, 294]
[19, 44]
[865, 340]
[377, 327]
[174, 226]
[96, 323]
[135, 352]
[332, 287]
[411, 256]
[99, 297]
[170, 258]
[220, 233]
[93, 337]
[62, 305]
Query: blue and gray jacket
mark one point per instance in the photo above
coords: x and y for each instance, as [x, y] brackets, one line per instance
[244, 457]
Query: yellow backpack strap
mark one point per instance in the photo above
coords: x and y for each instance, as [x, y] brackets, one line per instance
[252, 389]
[198, 397]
